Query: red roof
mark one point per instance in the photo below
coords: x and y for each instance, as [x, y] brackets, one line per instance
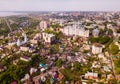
[14, 82]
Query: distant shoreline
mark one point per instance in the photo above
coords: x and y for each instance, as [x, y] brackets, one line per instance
[15, 13]
[6, 13]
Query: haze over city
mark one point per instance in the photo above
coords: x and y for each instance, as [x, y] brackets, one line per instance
[59, 5]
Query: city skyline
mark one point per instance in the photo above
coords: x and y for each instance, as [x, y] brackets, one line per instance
[63, 5]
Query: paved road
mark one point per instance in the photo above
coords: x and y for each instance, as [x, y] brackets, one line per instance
[112, 65]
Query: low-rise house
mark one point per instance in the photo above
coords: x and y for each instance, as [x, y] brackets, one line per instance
[15, 62]
[86, 47]
[39, 79]
[80, 59]
[118, 77]
[110, 76]
[25, 58]
[43, 67]
[106, 68]
[97, 48]
[34, 41]
[101, 56]
[26, 77]
[1, 49]
[8, 47]
[3, 56]
[63, 57]
[32, 70]
[36, 81]
[43, 78]
[2, 37]
[28, 82]
[96, 65]
[101, 26]
[31, 50]
[106, 53]
[22, 48]
[14, 82]
[61, 47]
[37, 36]
[12, 44]
[69, 58]
[91, 75]
[60, 76]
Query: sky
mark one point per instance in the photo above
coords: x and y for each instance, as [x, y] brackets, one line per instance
[59, 5]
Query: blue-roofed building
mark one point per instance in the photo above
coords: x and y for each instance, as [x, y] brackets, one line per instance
[42, 65]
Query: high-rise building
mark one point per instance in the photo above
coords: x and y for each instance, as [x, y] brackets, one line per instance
[95, 32]
[43, 25]
[25, 38]
[18, 42]
[49, 38]
[76, 29]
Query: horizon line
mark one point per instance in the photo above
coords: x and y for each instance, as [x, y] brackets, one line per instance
[59, 11]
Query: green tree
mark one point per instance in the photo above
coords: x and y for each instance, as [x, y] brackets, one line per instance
[77, 66]
[56, 25]
[104, 40]
[117, 66]
[59, 35]
[12, 73]
[59, 63]
[119, 39]
[76, 48]
[112, 81]
[93, 40]
[54, 49]
[114, 49]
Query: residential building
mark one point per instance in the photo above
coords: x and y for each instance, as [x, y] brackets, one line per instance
[43, 25]
[91, 75]
[25, 58]
[18, 42]
[48, 38]
[76, 30]
[22, 48]
[34, 41]
[97, 48]
[95, 32]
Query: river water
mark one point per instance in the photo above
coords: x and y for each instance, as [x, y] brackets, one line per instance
[3, 14]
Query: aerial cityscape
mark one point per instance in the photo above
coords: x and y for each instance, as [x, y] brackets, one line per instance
[65, 42]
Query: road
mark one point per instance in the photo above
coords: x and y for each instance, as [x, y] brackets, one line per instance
[112, 65]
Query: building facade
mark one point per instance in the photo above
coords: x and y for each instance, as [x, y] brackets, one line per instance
[43, 25]
[48, 38]
[76, 30]
[97, 48]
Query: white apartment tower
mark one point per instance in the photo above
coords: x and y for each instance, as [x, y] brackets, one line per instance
[95, 32]
[43, 25]
[18, 42]
[25, 38]
[48, 38]
[76, 29]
